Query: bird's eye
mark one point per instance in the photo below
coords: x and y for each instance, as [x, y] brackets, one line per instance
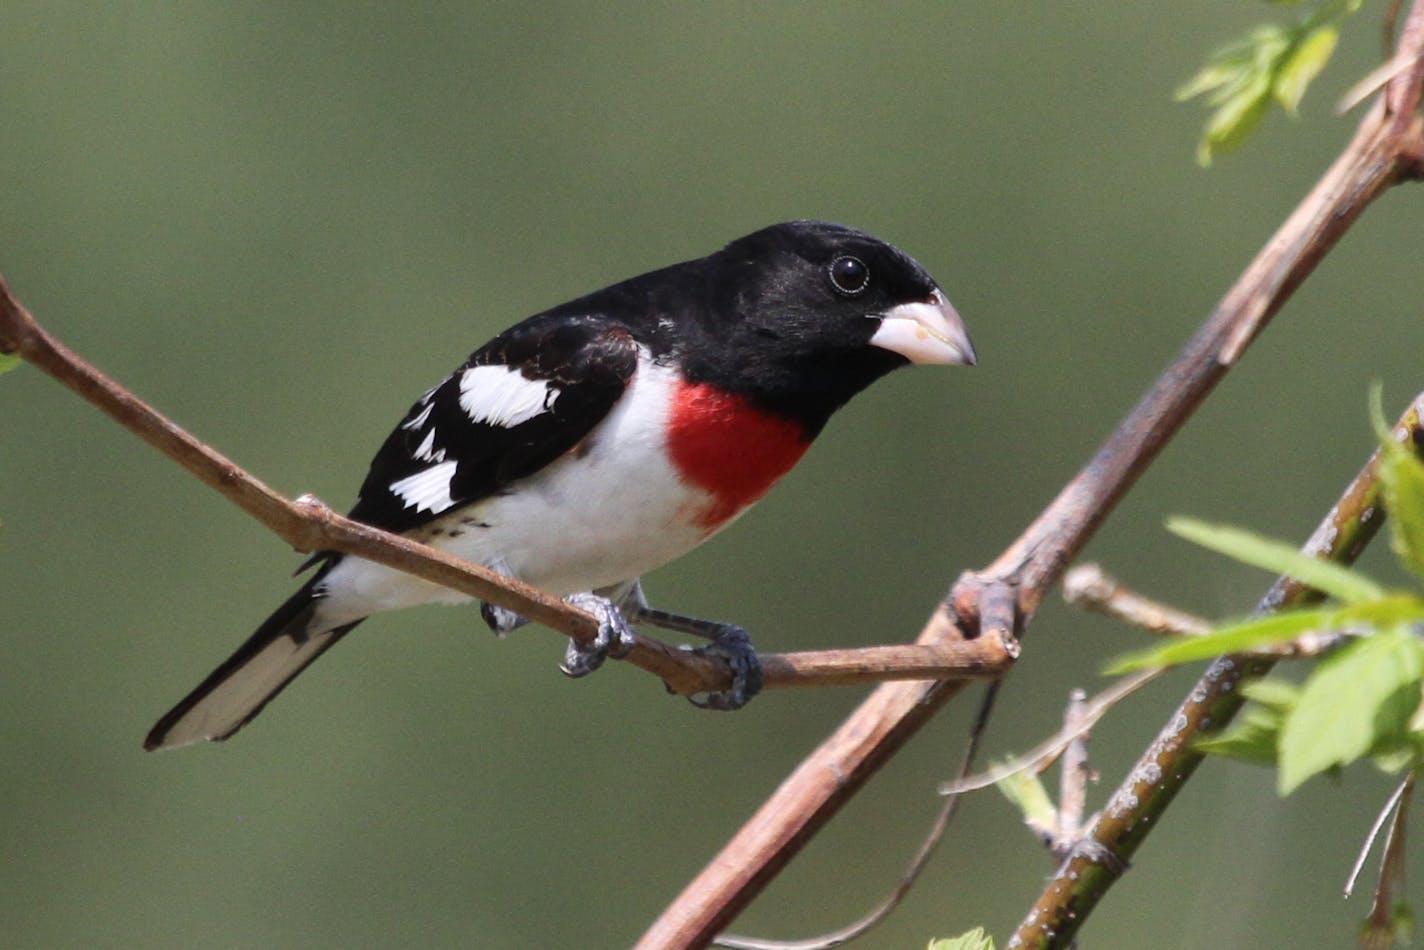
[849, 275]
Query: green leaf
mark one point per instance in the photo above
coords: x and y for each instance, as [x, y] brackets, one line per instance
[1235, 119]
[1397, 930]
[1252, 738]
[1273, 629]
[1026, 792]
[8, 361]
[1401, 476]
[1336, 580]
[1273, 693]
[1231, 638]
[1271, 62]
[1224, 68]
[975, 939]
[1355, 700]
[1401, 919]
[1255, 736]
[1303, 64]
[1237, 82]
[1398, 757]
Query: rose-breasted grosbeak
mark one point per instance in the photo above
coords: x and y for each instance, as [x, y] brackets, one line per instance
[605, 437]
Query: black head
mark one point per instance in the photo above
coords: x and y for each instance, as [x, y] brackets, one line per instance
[807, 314]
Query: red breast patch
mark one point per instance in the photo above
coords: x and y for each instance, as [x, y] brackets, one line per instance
[729, 448]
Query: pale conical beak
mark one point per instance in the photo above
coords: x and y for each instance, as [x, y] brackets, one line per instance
[926, 332]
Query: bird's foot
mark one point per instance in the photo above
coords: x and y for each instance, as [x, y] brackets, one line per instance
[733, 645]
[615, 638]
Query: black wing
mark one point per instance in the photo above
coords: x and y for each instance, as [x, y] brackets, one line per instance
[518, 403]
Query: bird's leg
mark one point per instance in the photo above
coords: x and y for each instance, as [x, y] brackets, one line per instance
[500, 619]
[728, 641]
[615, 637]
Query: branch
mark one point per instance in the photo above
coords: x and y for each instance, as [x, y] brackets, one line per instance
[1136, 806]
[309, 525]
[1089, 587]
[1002, 599]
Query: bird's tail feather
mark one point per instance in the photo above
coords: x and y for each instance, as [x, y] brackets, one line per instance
[247, 681]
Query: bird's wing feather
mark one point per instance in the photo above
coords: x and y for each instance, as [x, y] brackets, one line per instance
[518, 403]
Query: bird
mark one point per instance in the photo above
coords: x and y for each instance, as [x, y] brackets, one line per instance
[595, 441]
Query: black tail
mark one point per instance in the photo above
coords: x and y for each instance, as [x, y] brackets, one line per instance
[236, 691]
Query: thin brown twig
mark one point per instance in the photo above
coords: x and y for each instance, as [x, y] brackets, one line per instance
[1074, 773]
[1379, 933]
[1405, 785]
[1040, 757]
[1089, 587]
[1003, 597]
[1388, 22]
[309, 525]
[1371, 83]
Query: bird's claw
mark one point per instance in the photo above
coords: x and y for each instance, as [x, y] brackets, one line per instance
[729, 643]
[733, 645]
[615, 638]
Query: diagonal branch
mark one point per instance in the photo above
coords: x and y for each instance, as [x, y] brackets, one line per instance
[1135, 808]
[1385, 151]
[309, 525]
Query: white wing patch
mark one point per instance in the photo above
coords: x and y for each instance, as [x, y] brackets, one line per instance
[427, 451]
[428, 490]
[502, 396]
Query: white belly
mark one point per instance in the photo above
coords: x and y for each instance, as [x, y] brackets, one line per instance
[603, 513]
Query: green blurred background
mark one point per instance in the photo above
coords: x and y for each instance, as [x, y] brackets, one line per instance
[280, 223]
